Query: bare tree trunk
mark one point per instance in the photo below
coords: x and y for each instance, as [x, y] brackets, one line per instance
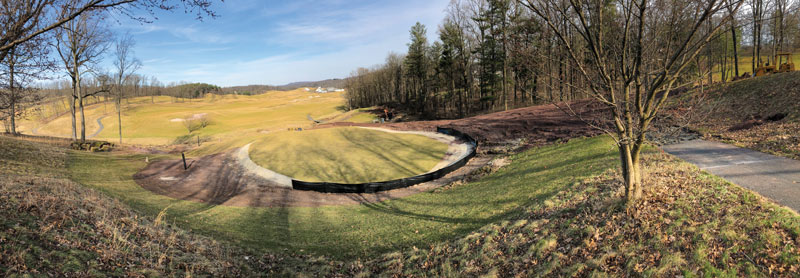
[72, 112]
[80, 105]
[13, 94]
[735, 51]
[630, 172]
[13, 121]
[119, 118]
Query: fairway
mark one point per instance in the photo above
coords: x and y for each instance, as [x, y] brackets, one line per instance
[347, 155]
[158, 120]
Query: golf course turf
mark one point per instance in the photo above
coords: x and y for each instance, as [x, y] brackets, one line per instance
[347, 155]
[360, 230]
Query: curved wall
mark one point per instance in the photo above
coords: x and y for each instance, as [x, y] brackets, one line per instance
[372, 187]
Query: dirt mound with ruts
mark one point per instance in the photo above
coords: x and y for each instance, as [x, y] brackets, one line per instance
[219, 179]
[536, 125]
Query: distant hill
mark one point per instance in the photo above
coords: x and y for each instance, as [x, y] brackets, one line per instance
[337, 83]
[258, 89]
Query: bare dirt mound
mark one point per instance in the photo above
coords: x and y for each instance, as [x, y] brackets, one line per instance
[537, 124]
[219, 180]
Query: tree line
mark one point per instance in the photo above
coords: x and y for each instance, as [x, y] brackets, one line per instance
[625, 55]
[495, 55]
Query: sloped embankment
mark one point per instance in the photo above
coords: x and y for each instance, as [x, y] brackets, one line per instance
[51, 226]
[690, 223]
[761, 113]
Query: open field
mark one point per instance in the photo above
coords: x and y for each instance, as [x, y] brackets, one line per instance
[157, 121]
[347, 155]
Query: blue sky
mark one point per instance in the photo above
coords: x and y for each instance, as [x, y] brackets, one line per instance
[277, 42]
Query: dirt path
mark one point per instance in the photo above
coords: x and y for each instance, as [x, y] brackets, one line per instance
[771, 176]
[220, 180]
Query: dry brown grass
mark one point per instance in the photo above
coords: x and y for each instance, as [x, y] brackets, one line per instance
[691, 224]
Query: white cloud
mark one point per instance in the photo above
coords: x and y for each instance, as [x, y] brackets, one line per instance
[327, 40]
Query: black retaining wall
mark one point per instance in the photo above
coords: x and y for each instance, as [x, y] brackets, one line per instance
[371, 187]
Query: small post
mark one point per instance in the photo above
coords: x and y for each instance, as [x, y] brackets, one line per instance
[184, 161]
[198, 140]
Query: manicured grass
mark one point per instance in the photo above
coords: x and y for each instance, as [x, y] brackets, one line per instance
[362, 117]
[147, 120]
[363, 230]
[347, 155]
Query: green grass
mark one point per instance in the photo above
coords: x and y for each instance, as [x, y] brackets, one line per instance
[362, 230]
[51, 226]
[362, 117]
[692, 224]
[347, 155]
[555, 211]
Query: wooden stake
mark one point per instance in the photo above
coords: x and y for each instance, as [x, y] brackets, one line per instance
[184, 161]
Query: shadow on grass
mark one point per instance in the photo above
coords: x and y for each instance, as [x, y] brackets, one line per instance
[372, 228]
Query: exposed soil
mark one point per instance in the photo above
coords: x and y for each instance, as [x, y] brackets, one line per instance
[219, 180]
[536, 124]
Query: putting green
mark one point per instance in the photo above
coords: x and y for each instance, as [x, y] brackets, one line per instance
[347, 155]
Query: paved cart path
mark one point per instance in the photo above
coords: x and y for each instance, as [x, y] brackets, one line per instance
[772, 176]
[35, 131]
[99, 127]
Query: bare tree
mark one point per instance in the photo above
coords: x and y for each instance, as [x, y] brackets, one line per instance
[126, 64]
[196, 122]
[23, 20]
[80, 43]
[632, 53]
[25, 63]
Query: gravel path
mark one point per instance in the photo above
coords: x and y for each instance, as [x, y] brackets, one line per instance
[771, 176]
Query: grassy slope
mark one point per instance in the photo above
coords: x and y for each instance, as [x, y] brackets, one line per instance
[346, 231]
[51, 226]
[348, 155]
[146, 123]
[693, 224]
[539, 216]
[736, 102]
